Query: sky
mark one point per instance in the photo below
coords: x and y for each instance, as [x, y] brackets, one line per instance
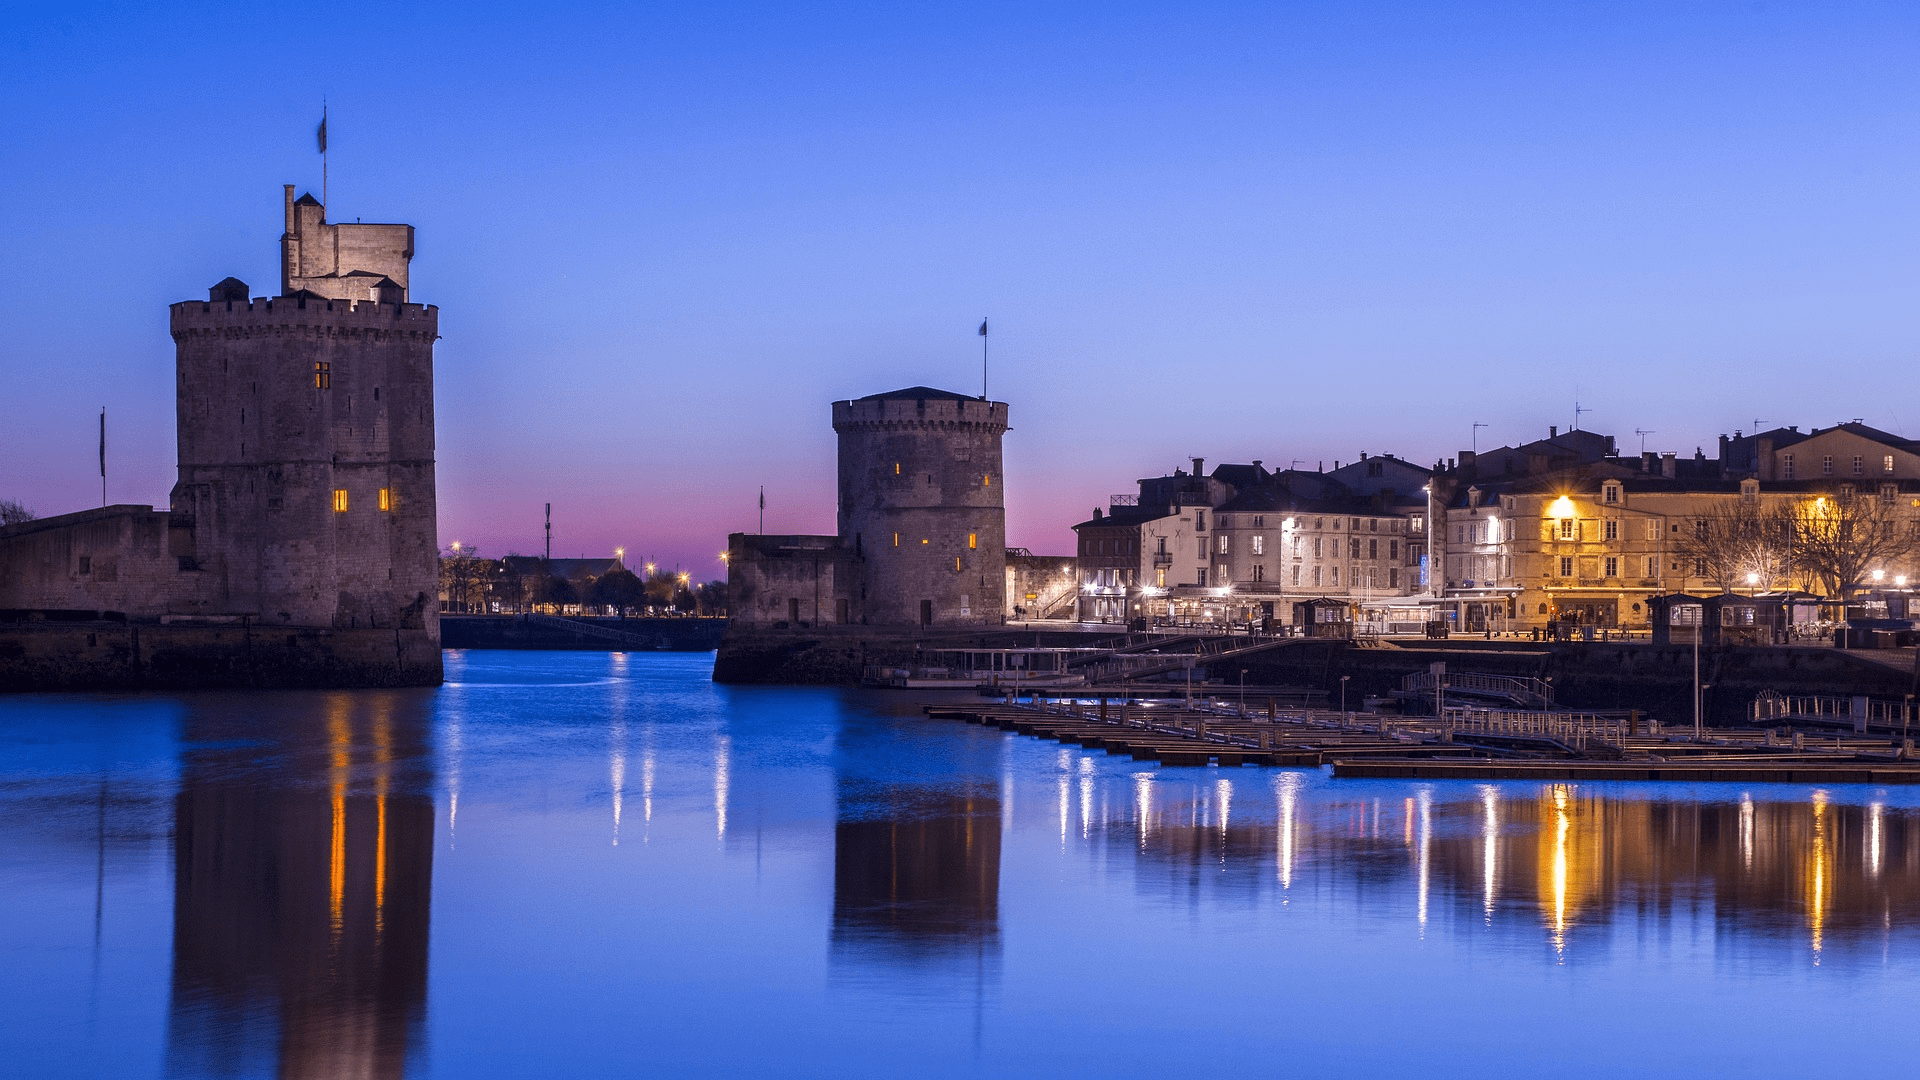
[665, 237]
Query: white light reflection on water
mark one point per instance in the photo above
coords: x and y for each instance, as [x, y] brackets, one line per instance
[1223, 790]
[1490, 849]
[1086, 797]
[1426, 849]
[722, 779]
[1286, 790]
[1142, 803]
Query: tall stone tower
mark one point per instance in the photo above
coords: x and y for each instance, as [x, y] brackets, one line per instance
[920, 503]
[306, 489]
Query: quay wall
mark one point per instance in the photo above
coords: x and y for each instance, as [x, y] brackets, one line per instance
[95, 656]
[837, 655]
[518, 632]
[1656, 679]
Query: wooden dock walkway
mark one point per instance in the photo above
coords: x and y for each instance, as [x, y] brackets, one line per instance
[1371, 745]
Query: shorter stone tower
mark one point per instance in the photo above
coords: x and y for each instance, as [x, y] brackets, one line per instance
[306, 436]
[920, 504]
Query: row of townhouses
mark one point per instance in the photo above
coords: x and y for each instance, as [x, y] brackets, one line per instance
[1561, 530]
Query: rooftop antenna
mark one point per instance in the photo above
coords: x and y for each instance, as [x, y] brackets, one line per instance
[983, 358]
[323, 151]
[1756, 426]
[549, 532]
[1477, 425]
[1577, 410]
[1643, 433]
[763, 509]
[103, 455]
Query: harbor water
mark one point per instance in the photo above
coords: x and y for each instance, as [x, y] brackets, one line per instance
[604, 865]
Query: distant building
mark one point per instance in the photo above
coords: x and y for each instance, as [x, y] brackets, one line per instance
[922, 524]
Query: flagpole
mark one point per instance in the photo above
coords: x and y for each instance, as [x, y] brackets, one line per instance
[763, 511]
[983, 359]
[323, 152]
[103, 455]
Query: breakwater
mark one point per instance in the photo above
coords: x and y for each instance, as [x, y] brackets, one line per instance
[105, 655]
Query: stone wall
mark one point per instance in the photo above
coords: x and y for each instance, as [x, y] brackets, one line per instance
[133, 656]
[792, 580]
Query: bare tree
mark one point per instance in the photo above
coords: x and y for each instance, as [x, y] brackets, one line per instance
[1735, 543]
[1840, 540]
[13, 512]
[466, 579]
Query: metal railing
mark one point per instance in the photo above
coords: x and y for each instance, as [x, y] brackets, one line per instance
[1520, 690]
[1860, 712]
[1574, 730]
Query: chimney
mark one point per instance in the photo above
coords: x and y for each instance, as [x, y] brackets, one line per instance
[1647, 458]
[1666, 466]
[1553, 431]
[1098, 513]
[1763, 458]
[1199, 466]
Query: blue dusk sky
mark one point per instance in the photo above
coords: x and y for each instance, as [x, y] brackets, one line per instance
[663, 237]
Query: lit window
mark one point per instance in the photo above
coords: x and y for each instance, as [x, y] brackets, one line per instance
[986, 481]
[322, 375]
[956, 562]
[1886, 463]
[386, 500]
[973, 541]
[1566, 528]
[925, 541]
[896, 468]
[339, 500]
[896, 539]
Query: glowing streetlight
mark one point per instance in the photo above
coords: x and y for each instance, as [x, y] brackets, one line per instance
[1879, 575]
[456, 547]
[619, 553]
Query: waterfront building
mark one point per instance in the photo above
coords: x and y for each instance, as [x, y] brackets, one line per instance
[1241, 544]
[1589, 542]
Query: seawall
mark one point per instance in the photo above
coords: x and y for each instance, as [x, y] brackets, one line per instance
[1656, 679]
[519, 632]
[836, 655]
[148, 656]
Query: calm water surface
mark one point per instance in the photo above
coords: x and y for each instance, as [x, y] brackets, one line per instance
[581, 864]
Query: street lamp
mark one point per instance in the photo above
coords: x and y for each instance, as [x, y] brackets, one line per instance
[1343, 699]
[1243, 691]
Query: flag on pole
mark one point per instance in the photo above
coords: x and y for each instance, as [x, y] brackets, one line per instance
[322, 133]
[983, 328]
[763, 498]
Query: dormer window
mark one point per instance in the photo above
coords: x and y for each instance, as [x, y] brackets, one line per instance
[1610, 494]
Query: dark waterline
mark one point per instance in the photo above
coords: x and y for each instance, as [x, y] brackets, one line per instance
[591, 864]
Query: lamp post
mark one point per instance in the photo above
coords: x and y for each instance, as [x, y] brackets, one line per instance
[1343, 699]
[1243, 691]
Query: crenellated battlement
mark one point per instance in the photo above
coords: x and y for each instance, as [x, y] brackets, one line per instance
[298, 309]
[906, 412]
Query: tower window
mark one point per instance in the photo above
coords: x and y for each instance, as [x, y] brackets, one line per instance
[322, 375]
[386, 499]
[896, 468]
[896, 539]
[986, 481]
[956, 562]
[339, 500]
[973, 541]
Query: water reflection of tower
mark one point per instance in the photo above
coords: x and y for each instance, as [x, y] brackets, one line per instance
[916, 874]
[302, 883]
